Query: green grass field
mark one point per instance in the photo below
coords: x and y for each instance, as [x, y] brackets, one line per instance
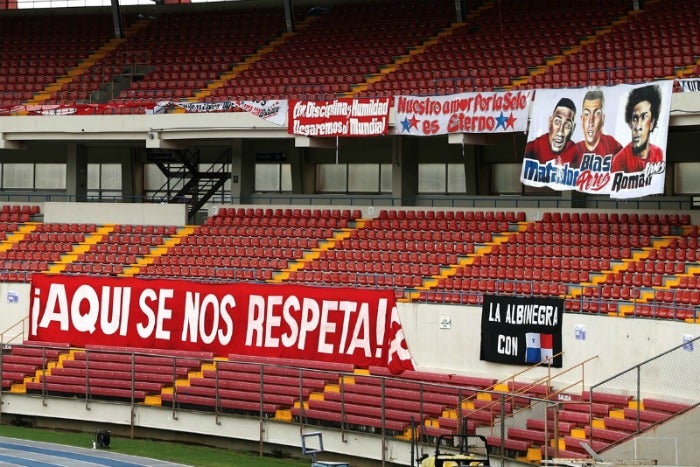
[167, 451]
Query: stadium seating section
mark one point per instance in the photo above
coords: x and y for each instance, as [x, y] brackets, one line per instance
[413, 404]
[643, 265]
[622, 264]
[379, 48]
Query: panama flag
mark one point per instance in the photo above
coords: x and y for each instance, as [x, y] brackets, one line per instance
[539, 347]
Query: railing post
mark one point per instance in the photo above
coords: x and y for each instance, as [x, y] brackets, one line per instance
[639, 396]
[301, 398]
[217, 402]
[261, 426]
[43, 385]
[342, 408]
[557, 406]
[174, 402]
[503, 426]
[384, 420]
[87, 380]
[133, 398]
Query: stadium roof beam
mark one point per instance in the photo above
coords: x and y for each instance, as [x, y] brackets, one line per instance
[308, 142]
[154, 140]
[5, 144]
[289, 15]
[118, 20]
[470, 139]
[459, 10]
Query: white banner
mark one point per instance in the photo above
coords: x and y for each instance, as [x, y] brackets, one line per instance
[472, 112]
[273, 111]
[690, 84]
[607, 140]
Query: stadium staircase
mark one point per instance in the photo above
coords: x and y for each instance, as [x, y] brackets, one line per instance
[606, 57]
[403, 63]
[86, 65]
[244, 65]
[323, 59]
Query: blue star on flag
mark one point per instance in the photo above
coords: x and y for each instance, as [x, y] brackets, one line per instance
[502, 120]
[407, 124]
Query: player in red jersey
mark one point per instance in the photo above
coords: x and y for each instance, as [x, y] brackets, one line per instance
[593, 119]
[642, 115]
[555, 145]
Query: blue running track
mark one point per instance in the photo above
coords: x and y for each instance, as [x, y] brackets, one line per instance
[17, 452]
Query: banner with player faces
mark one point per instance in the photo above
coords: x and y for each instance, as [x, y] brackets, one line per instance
[599, 140]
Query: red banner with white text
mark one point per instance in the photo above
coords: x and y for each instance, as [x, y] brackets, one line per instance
[360, 327]
[339, 117]
[75, 109]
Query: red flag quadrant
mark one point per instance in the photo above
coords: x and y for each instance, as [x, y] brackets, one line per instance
[608, 140]
[360, 327]
[339, 117]
[472, 112]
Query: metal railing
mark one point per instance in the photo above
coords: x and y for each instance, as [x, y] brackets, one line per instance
[654, 309]
[382, 201]
[227, 393]
[671, 376]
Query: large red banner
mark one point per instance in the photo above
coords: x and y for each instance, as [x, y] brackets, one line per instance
[361, 327]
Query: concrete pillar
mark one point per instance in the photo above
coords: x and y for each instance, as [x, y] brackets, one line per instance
[405, 170]
[133, 189]
[76, 172]
[242, 171]
[302, 172]
[473, 177]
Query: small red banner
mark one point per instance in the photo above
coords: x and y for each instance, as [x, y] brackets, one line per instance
[339, 117]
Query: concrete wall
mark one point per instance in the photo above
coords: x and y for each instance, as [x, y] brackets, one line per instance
[672, 443]
[117, 213]
[613, 344]
[14, 308]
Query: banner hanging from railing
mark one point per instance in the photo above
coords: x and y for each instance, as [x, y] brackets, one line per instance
[273, 111]
[360, 327]
[339, 117]
[55, 110]
[690, 84]
[604, 141]
[522, 330]
[471, 112]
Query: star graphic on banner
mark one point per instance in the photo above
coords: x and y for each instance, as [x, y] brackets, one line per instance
[414, 122]
[406, 124]
[511, 121]
[501, 119]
